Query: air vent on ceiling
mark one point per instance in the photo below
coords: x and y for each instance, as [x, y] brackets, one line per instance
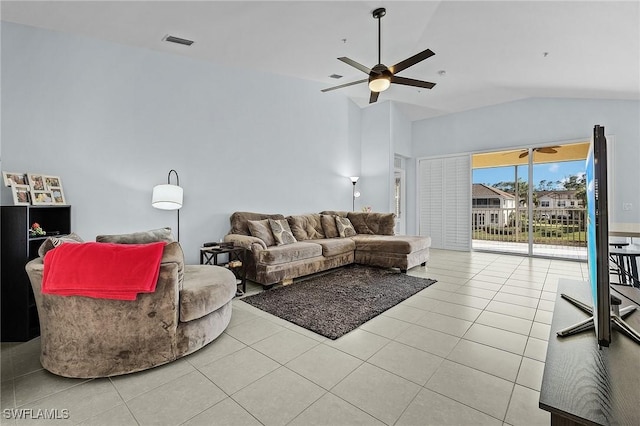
[178, 40]
[335, 76]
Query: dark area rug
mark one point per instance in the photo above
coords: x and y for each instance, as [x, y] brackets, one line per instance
[336, 302]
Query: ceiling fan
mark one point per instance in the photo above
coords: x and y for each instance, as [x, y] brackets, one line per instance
[381, 76]
[544, 150]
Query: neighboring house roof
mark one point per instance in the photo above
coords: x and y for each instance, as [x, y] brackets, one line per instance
[480, 190]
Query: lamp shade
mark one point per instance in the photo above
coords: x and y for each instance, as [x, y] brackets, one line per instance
[167, 197]
[354, 179]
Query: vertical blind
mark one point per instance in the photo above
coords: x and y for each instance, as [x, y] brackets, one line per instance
[444, 190]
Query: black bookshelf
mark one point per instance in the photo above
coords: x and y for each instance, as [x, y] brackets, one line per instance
[19, 313]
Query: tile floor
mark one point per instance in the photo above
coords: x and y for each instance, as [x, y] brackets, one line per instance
[469, 350]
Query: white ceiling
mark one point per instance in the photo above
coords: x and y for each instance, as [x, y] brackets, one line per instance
[492, 52]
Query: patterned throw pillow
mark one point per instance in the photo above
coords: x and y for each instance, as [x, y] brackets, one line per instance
[281, 232]
[345, 228]
[53, 242]
[261, 229]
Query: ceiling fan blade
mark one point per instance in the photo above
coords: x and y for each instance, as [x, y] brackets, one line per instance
[524, 154]
[547, 150]
[345, 85]
[411, 82]
[355, 64]
[411, 61]
[374, 97]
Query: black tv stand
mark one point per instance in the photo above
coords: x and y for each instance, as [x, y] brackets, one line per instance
[582, 383]
[617, 318]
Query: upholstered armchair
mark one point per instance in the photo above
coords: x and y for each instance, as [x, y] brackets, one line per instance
[90, 337]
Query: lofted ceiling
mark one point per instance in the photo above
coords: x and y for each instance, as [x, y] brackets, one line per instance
[490, 52]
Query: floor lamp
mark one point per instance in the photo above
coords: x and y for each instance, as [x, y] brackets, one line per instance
[356, 194]
[168, 196]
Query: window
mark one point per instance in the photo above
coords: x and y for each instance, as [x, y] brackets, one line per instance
[572, 203]
[562, 203]
[544, 204]
[494, 218]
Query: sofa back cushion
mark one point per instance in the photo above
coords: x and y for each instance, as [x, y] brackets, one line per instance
[306, 226]
[239, 221]
[341, 213]
[144, 237]
[373, 223]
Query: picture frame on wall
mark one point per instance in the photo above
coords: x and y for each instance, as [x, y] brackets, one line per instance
[58, 195]
[11, 178]
[41, 198]
[52, 182]
[21, 195]
[36, 182]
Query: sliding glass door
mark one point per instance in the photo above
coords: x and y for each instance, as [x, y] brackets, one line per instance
[530, 201]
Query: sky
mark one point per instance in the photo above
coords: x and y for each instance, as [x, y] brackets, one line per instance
[548, 172]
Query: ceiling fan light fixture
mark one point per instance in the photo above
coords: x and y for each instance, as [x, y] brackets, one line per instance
[379, 83]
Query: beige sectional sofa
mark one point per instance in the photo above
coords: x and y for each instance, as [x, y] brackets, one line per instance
[318, 245]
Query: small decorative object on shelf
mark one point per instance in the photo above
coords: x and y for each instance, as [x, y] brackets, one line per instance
[234, 264]
[36, 230]
[366, 209]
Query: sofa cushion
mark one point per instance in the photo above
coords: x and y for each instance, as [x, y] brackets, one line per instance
[53, 242]
[306, 226]
[145, 237]
[373, 223]
[345, 228]
[206, 289]
[329, 227]
[281, 232]
[401, 244]
[239, 221]
[277, 255]
[336, 246]
[261, 229]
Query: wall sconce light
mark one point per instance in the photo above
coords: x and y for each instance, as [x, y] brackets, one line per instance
[356, 194]
[168, 196]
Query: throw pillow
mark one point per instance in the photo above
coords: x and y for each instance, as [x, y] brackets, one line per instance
[261, 229]
[281, 232]
[53, 242]
[145, 237]
[345, 228]
[329, 226]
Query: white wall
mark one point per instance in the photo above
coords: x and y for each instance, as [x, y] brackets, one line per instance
[376, 159]
[112, 120]
[544, 121]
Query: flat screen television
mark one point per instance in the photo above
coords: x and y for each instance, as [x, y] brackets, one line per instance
[598, 235]
[605, 310]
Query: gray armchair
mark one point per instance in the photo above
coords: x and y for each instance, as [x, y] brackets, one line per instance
[87, 337]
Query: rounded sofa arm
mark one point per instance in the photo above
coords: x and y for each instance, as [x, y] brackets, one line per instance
[248, 242]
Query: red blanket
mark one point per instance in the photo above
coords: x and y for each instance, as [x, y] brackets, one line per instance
[102, 270]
